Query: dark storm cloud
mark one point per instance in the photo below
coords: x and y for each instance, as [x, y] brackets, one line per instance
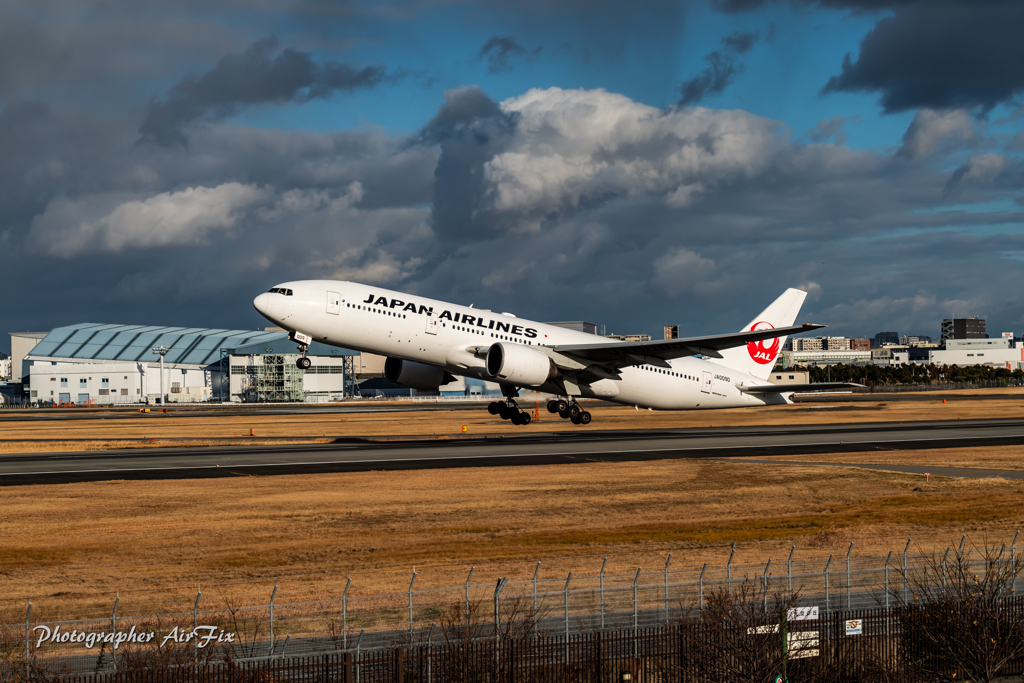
[257, 76]
[500, 51]
[940, 55]
[722, 66]
[470, 129]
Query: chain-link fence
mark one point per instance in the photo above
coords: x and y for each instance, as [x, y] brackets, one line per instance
[77, 636]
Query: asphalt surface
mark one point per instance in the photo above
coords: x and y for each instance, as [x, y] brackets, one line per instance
[585, 446]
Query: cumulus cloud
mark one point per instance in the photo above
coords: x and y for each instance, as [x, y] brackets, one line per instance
[933, 130]
[500, 51]
[833, 128]
[169, 218]
[722, 67]
[260, 75]
[680, 272]
[572, 148]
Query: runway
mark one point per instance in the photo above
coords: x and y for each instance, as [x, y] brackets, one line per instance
[355, 455]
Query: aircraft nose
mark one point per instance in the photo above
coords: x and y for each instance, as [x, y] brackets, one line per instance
[262, 303]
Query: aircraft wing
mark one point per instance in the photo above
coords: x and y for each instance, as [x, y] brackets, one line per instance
[799, 388]
[657, 352]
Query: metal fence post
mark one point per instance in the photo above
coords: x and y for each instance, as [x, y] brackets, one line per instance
[849, 550]
[701, 584]
[565, 593]
[344, 615]
[498, 587]
[905, 569]
[28, 638]
[113, 628]
[827, 610]
[764, 583]
[535, 571]
[944, 556]
[467, 598]
[359, 645]
[887, 558]
[789, 569]
[195, 625]
[728, 568]
[272, 596]
[603, 564]
[666, 586]
[430, 635]
[636, 648]
[411, 583]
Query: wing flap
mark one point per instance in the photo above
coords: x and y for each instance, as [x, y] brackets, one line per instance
[798, 388]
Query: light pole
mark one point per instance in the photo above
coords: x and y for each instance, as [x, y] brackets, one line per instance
[161, 351]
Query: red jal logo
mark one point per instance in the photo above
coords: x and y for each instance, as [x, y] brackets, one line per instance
[758, 351]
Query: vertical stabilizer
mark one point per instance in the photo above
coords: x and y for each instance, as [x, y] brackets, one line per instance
[758, 358]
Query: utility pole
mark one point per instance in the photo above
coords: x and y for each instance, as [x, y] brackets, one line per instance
[161, 351]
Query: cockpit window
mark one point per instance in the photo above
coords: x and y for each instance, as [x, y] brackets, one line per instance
[287, 292]
[280, 290]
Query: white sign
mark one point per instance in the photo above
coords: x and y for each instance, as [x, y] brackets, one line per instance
[854, 627]
[1007, 335]
[801, 644]
[802, 613]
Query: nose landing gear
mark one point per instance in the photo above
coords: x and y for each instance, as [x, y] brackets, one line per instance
[568, 409]
[303, 363]
[509, 410]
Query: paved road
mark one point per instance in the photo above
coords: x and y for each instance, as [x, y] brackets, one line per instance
[359, 455]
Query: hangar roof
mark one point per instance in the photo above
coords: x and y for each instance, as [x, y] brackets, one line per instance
[188, 345]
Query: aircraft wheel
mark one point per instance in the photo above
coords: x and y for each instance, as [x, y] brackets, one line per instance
[303, 363]
[516, 418]
[564, 414]
[562, 405]
[503, 411]
[493, 407]
[575, 410]
[585, 418]
[575, 419]
[525, 418]
[552, 406]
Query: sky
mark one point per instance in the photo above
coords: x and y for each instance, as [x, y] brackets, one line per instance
[630, 164]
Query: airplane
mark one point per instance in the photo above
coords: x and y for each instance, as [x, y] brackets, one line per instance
[427, 342]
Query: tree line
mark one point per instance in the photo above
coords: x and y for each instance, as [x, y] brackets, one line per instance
[882, 375]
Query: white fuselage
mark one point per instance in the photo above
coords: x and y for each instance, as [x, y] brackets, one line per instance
[414, 328]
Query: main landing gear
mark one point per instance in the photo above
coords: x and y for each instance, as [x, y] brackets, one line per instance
[509, 410]
[569, 409]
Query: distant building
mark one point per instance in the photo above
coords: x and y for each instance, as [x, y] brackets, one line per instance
[630, 337]
[671, 332]
[808, 344]
[883, 338]
[836, 344]
[860, 344]
[21, 344]
[963, 328]
[577, 325]
[5, 366]
[790, 377]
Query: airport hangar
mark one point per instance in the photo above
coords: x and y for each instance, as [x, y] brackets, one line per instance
[92, 363]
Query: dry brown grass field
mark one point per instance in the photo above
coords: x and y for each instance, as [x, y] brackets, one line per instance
[175, 429]
[78, 541]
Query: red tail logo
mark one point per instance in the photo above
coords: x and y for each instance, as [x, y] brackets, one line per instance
[758, 351]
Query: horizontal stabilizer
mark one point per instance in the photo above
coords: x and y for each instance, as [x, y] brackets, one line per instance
[798, 388]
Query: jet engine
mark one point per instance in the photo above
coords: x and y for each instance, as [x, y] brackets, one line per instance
[416, 375]
[519, 365]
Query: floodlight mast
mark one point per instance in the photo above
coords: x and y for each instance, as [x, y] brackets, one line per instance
[161, 351]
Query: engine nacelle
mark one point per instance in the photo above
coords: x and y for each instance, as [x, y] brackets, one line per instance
[518, 364]
[416, 375]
